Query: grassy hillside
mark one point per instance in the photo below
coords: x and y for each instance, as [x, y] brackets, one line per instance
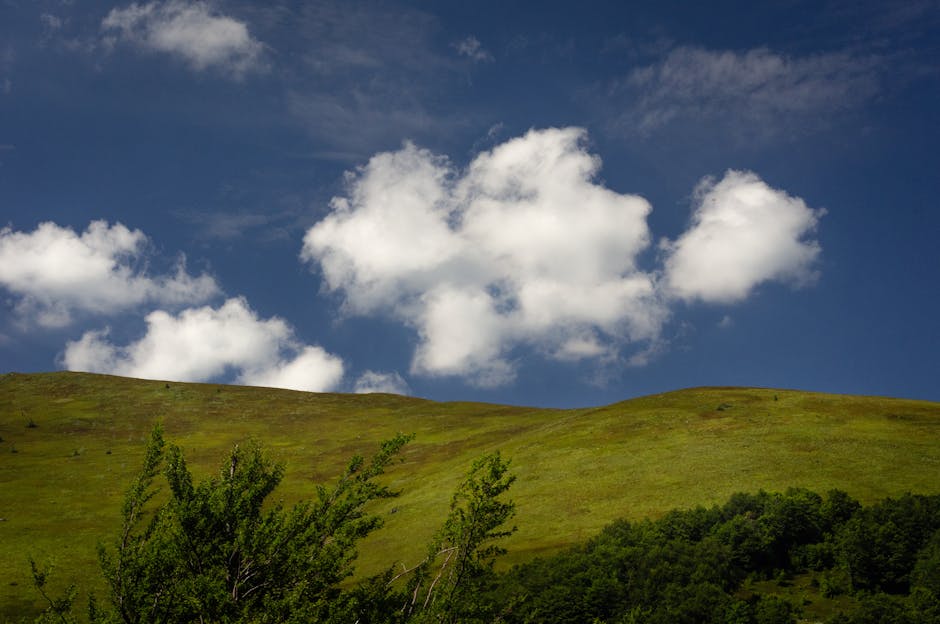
[61, 480]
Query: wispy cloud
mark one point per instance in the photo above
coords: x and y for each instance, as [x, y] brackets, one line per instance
[7, 61]
[473, 49]
[371, 381]
[190, 31]
[371, 77]
[355, 124]
[232, 225]
[756, 90]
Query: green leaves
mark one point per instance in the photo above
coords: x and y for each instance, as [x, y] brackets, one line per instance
[445, 588]
[214, 551]
[59, 609]
[217, 551]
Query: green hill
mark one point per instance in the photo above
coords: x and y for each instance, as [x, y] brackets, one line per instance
[72, 441]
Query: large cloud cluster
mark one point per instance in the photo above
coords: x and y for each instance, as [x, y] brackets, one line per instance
[55, 272]
[201, 344]
[524, 248]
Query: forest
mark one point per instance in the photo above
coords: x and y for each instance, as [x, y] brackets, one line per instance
[221, 551]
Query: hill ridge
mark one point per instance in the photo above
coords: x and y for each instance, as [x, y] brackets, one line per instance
[72, 441]
[704, 388]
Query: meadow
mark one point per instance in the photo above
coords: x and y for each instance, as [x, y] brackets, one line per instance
[71, 443]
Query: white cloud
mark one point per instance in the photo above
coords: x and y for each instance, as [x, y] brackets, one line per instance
[312, 369]
[389, 383]
[202, 344]
[188, 30]
[54, 272]
[521, 248]
[758, 88]
[743, 233]
[473, 49]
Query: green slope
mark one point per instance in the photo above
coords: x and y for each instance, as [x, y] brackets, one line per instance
[60, 491]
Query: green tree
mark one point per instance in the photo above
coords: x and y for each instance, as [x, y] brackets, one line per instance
[214, 552]
[449, 586]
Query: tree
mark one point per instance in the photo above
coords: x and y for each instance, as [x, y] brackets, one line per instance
[215, 553]
[447, 586]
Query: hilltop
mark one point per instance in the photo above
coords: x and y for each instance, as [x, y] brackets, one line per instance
[72, 441]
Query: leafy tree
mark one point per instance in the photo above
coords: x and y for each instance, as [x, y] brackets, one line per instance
[218, 551]
[214, 552]
[58, 608]
[447, 586]
[879, 544]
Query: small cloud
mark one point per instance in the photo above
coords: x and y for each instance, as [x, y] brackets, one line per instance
[389, 383]
[472, 49]
[580, 347]
[203, 344]
[726, 322]
[54, 272]
[190, 31]
[743, 233]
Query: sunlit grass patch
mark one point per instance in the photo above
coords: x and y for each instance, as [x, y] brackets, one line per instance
[577, 469]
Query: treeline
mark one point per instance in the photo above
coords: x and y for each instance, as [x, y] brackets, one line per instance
[218, 551]
[702, 565]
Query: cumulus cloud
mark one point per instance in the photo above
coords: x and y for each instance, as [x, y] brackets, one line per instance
[54, 272]
[371, 381]
[473, 49]
[743, 233]
[202, 344]
[525, 249]
[522, 248]
[188, 30]
[757, 85]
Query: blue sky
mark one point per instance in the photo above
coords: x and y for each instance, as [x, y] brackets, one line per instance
[555, 204]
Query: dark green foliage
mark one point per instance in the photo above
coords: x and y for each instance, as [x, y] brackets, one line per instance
[926, 572]
[774, 610]
[215, 552]
[879, 544]
[58, 609]
[448, 585]
[702, 565]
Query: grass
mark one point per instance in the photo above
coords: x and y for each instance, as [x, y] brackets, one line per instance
[72, 441]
